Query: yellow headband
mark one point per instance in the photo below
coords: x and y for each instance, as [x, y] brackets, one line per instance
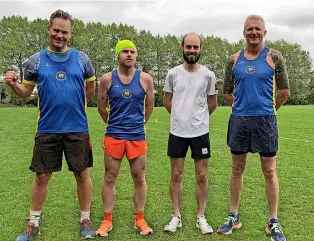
[123, 44]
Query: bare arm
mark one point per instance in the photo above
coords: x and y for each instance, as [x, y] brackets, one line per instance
[89, 90]
[212, 103]
[22, 90]
[228, 85]
[229, 98]
[281, 77]
[102, 99]
[149, 100]
[281, 97]
[167, 101]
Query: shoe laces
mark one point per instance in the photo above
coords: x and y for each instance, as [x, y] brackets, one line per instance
[203, 221]
[105, 222]
[230, 218]
[174, 221]
[86, 223]
[141, 223]
[276, 227]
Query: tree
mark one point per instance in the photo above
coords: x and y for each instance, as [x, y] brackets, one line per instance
[16, 43]
[20, 38]
[299, 67]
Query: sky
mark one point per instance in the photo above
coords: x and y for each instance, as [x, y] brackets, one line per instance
[290, 20]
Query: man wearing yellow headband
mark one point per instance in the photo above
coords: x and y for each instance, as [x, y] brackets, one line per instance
[129, 94]
[124, 44]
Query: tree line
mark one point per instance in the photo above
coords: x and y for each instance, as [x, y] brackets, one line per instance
[20, 38]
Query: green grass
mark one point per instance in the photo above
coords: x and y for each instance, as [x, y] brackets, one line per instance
[61, 211]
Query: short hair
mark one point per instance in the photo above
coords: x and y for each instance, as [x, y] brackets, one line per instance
[256, 17]
[183, 38]
[61, 14]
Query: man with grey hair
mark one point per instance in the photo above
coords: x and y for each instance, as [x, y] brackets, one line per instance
[190, 96]
[251, 77]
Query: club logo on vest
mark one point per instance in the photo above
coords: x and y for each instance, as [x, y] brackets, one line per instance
[61, 76]
[250, 69]
[126, 93]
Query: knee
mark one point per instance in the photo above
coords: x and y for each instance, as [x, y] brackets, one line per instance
[269, 172]
[139, 178]
[82, 177]
[110, 178]
[177, 176]
[237, 170]
[42, 178]
[201, 177]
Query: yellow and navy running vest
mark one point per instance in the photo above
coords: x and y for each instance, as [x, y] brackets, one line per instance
[126, 114]
[254, 86]
[61, 93]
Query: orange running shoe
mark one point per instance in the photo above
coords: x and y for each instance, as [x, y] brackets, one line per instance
[143, 227]
[105, 228]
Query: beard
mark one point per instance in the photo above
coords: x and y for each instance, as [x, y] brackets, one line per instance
[191, 58]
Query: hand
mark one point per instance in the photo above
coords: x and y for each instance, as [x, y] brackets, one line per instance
[11, 78]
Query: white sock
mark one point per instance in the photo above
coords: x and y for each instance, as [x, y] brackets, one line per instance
[85, 215]
[200, 216]
[34, 217]
[178, 216]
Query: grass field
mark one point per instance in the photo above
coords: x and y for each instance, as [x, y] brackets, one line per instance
[61, 211]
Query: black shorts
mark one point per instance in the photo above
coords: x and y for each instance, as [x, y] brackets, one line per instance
[49, 148]
[253, 134]
[200, 146]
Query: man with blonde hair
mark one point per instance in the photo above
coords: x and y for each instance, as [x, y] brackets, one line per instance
[251, 76]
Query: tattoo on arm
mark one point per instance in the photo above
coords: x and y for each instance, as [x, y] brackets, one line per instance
[228, 78]
[281, 74]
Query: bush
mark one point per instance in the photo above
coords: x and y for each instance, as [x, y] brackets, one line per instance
[310, 98]
[32, 101]
[92, 102]
[158, 101]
